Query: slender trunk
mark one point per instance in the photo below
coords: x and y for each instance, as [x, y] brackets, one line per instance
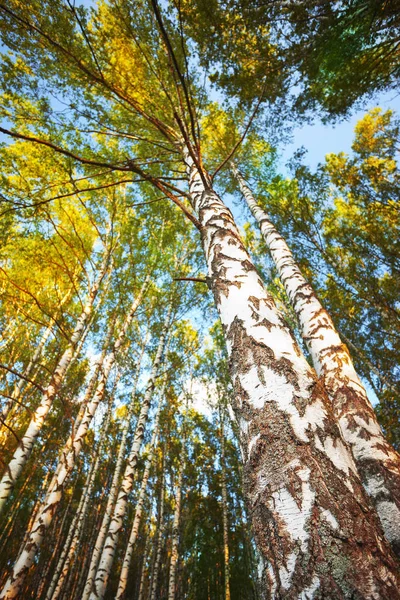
[224, 506]
[116, 523]
[175, 526]
[58, 530]
[123, 579]
[24, 449]
[67, 554]
[146, 553]
[296, 464]
[65, 466]
[159, 540]
[98, 547]
[377, 462]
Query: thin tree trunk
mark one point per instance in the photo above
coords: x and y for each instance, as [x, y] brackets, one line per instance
[176, 525]
[65, 466]
[161, 526]
[116, 523]
[123, 579]
[146, 553]
[72, 540]
[98, 547]
[24, 449]
[21, 383]
[377, 462]
[296, 463]
[224, 506]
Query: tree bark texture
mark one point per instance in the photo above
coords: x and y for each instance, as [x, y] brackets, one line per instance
[296, 463]
[377, 462]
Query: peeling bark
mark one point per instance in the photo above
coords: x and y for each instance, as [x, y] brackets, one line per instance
[377, 462]
[313, 523]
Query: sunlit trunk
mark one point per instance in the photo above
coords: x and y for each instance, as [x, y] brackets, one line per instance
[123, 579]
[377, 462]
[296, 464]
[24, 449]
[116, 523]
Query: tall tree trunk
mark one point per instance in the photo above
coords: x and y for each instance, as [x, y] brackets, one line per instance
[176, 525]
[296, 464]
[21, 383]
[24, 449]
[377, 462]
[160, 531]
[224, 504]
[67, 554]
[98, 546]
[147, 551]
[65, 466]
[116, 523]
[123, 579]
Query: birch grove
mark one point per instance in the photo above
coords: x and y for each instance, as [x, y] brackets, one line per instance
[138, 309]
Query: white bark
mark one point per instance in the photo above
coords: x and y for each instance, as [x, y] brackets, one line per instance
[298, 464]
[160, 531]
[24, 448]
[116, 523]
[70, 545]
[146, 556]
[112, 494]
[65, 467]
[175, 526]
[377, 462]
[123, 579]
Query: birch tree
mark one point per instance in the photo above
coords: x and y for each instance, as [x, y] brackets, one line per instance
[377, 462]
[22, 453]
[295, 460]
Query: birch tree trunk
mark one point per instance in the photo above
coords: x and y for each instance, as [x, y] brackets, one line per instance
[21, 383]
[157, 562]
[61, 570]
[123, 579]
[107, 556]
[146, 555]
[65, 466]
[296, 464]
[24, 448]
[175, 526]
[224, 505]
[377, 462]
[98, 546]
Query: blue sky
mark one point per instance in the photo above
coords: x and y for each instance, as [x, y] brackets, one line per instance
[319, 139]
